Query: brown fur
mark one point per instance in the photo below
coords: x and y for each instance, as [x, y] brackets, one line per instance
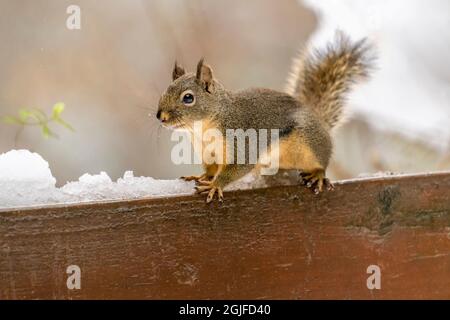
[297, 154]
[321, 78]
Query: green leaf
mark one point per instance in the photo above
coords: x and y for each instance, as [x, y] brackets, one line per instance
[32, 114]
[24, 114]
[35, 116]
[11, 120]
[46, 131]
[58, 109]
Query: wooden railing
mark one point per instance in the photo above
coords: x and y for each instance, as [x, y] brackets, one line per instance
[278, 242]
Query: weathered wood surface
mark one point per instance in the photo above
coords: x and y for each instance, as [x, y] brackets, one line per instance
[279, 242]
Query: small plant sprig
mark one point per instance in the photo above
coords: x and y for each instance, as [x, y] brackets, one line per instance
[37, 117]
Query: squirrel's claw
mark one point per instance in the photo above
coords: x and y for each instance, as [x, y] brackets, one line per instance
[190, 178]
[199, 180]
[329, 186]
[316, 181]
[211, 190]
[203, 182]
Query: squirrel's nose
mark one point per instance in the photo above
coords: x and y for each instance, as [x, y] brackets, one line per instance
[163, 116]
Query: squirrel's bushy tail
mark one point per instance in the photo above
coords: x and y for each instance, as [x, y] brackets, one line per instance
[321, 78]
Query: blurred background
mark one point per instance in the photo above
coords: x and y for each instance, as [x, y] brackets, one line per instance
[111, 72]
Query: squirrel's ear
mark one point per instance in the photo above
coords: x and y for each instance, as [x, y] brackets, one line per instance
[177, 72]
[205, 75]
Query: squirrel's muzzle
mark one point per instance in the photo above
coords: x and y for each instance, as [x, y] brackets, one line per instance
[162, 116]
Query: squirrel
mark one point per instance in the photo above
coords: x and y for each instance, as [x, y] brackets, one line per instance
[308, 110]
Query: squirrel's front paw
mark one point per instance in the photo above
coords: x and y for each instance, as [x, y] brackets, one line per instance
[198, 179]
[210, 188]
[316, 181]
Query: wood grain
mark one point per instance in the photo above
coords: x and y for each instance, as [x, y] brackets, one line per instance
[275, 243]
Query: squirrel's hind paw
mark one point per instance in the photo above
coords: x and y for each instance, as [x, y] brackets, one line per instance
[316, 181]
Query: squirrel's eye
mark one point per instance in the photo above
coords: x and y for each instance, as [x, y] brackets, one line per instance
[188, 98]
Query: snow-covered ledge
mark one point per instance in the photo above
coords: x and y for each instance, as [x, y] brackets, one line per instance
[276, 242]
[26, 180]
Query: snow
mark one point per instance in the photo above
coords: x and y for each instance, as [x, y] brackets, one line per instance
[101, 187]
[26, 179]
[379, 174]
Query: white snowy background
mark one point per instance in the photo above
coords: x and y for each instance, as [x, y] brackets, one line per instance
[401, 117]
